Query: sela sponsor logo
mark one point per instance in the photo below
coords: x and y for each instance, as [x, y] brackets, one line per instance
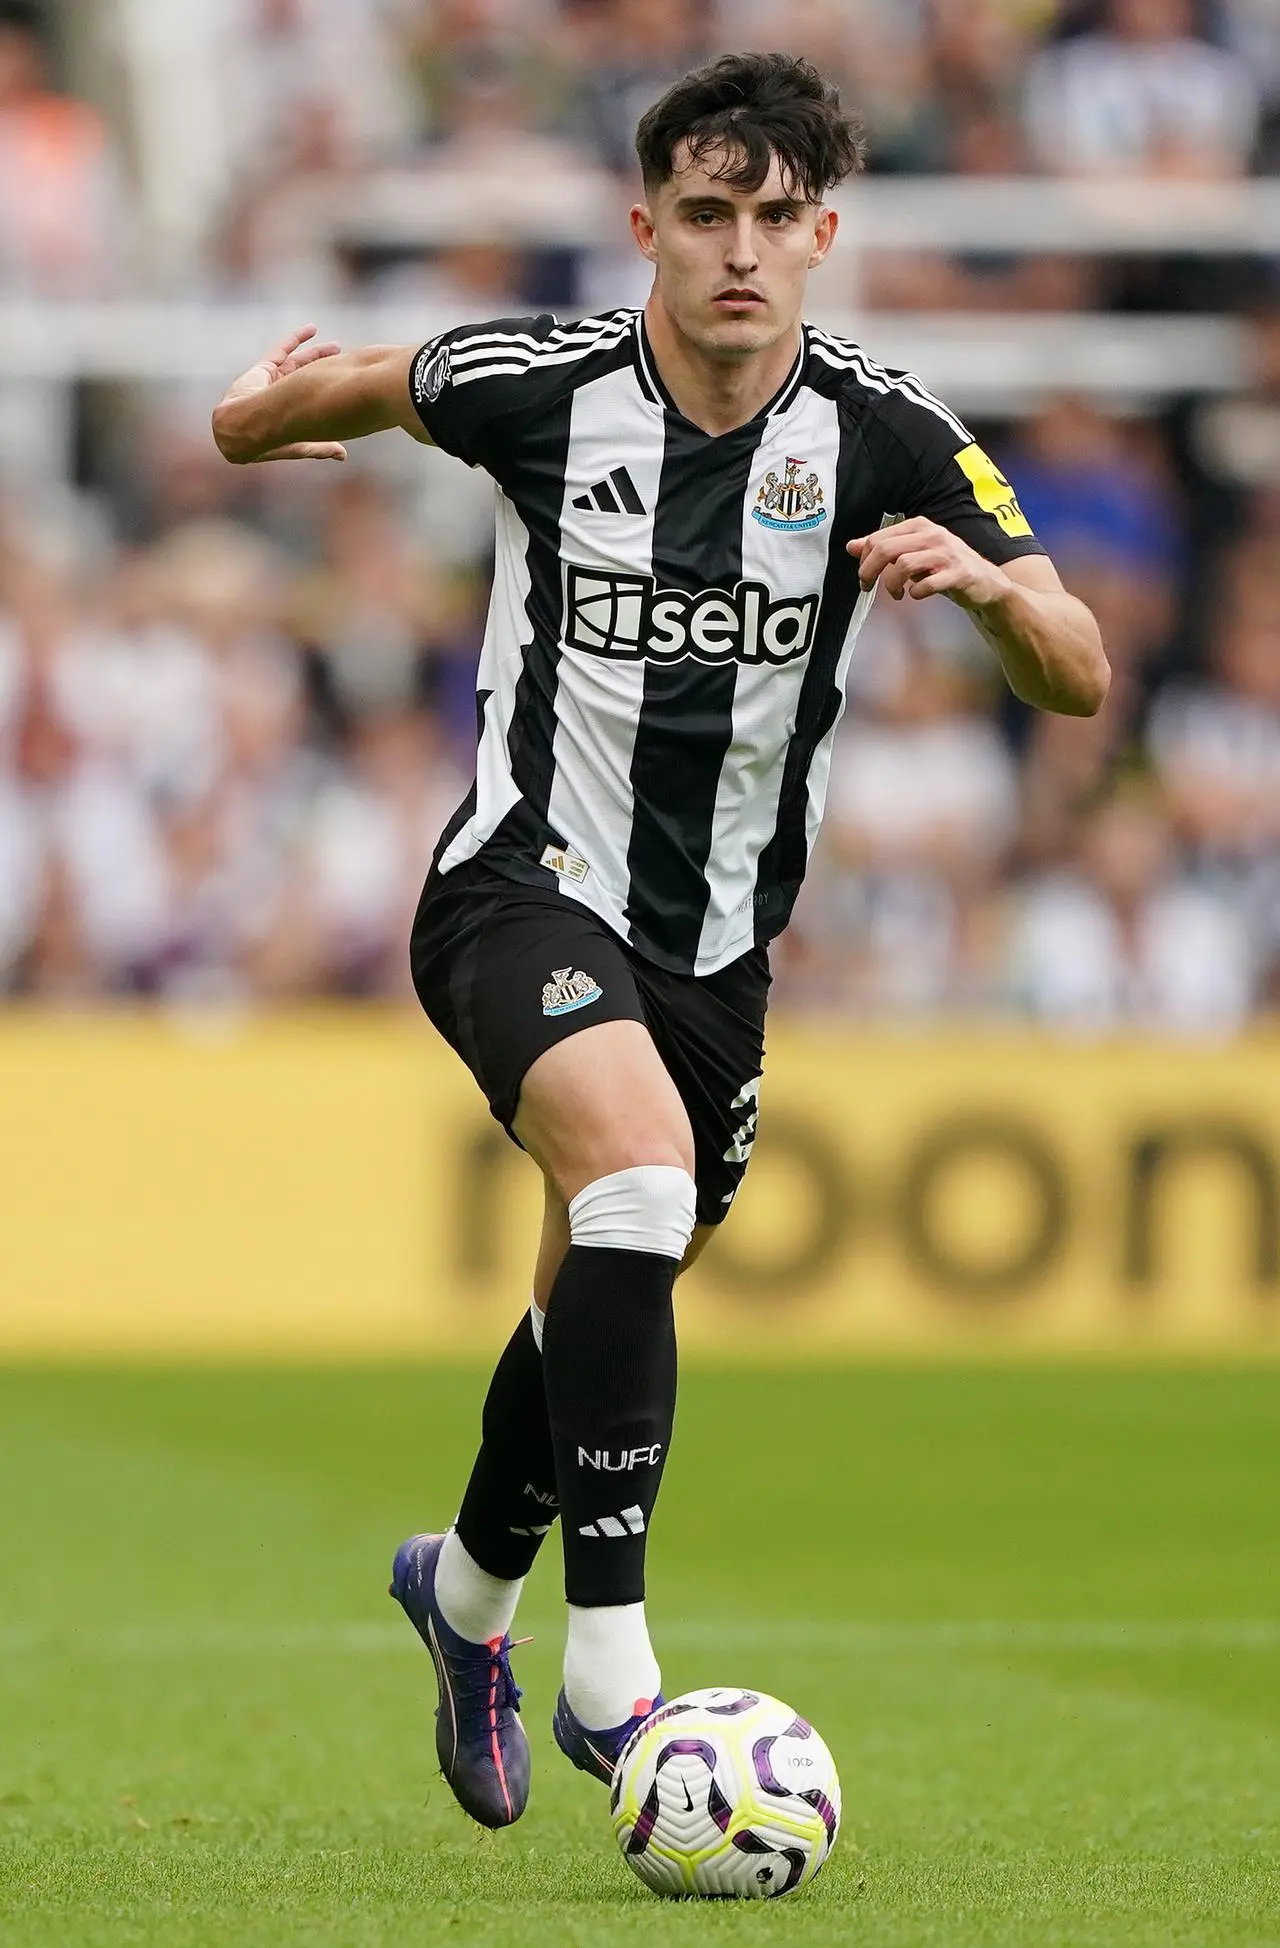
[629, 616]
[605, 1461]
[566, 991]
[790, 505]
[565, 863]
[430, 374]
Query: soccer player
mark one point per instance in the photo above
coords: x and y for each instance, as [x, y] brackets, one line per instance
[695, 505]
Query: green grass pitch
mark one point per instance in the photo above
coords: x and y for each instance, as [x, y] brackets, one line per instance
[1036, 1614]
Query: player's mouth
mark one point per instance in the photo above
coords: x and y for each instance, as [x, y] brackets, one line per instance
[737, 299]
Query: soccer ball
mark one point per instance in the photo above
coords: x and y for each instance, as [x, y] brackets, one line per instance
[727, 1794]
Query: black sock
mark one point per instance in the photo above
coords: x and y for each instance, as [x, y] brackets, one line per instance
[511, 1500]
[609, 1364]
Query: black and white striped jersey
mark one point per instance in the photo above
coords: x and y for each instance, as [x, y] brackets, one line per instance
[673, 613]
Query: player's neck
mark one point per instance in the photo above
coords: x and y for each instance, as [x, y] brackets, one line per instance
[717, 395]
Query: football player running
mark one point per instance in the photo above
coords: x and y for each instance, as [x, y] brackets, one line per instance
[696, 503]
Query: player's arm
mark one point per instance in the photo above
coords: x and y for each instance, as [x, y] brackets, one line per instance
[1048, 642]
[303, 400]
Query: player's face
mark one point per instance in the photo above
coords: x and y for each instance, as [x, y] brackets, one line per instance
[731, 264]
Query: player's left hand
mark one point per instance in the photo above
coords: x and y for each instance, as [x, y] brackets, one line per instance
[919, 558]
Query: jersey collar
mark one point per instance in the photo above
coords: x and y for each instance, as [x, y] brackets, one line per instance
[656, 393]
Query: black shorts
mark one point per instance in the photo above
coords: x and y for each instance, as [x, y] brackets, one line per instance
[506, 971]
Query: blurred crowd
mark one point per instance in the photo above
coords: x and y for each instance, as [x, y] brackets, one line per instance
[235, 706]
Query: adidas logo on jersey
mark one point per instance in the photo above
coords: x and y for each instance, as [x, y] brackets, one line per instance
[616, 1527]
[565, 863]
[630, 616]
[616, 495]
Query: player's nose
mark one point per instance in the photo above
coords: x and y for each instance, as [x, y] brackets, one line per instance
[741, 254]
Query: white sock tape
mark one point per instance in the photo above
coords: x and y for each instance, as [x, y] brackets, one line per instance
[648, 1208]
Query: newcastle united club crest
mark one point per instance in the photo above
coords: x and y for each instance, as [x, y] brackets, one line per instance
[792, 505]
[567, 990]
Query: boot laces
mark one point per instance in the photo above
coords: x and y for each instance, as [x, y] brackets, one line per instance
[485, 1682]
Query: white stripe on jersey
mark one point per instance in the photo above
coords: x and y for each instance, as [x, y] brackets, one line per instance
[766, 699]
[509, 368]
[488, 344]
[599, 697]
[501, 661]
[846, 354]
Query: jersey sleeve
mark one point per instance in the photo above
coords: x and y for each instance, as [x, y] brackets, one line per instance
[948, 478]
[470, 386]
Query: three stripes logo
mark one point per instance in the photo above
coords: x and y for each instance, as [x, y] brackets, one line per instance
[616, 495]
[616, 1527]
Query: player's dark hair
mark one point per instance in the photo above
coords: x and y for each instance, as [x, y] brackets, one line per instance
[745, 109]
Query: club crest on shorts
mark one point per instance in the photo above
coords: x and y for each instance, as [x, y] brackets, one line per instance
[790, 505]
[566, 991]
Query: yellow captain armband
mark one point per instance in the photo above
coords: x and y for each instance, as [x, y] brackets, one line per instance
[993, 492]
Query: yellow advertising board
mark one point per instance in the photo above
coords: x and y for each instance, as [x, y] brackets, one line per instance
[330, 1185]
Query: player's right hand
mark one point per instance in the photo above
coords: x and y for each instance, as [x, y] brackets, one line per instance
[290, 355]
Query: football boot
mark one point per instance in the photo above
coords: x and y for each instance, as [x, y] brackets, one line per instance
[595, 1752]
[480, 1741]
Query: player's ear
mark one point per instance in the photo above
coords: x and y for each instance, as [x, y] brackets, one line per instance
[824, 235]
[642, 231]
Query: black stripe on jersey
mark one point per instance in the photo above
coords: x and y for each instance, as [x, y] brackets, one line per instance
[685, 725]
[783, 861]
[846, 354]
[533, 717]
[467, 809]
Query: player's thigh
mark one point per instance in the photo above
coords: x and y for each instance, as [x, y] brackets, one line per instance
[602, 1101]
[709, 1033]
[509, 974]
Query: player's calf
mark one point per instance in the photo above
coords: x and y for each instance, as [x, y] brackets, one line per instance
[609, 1361]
